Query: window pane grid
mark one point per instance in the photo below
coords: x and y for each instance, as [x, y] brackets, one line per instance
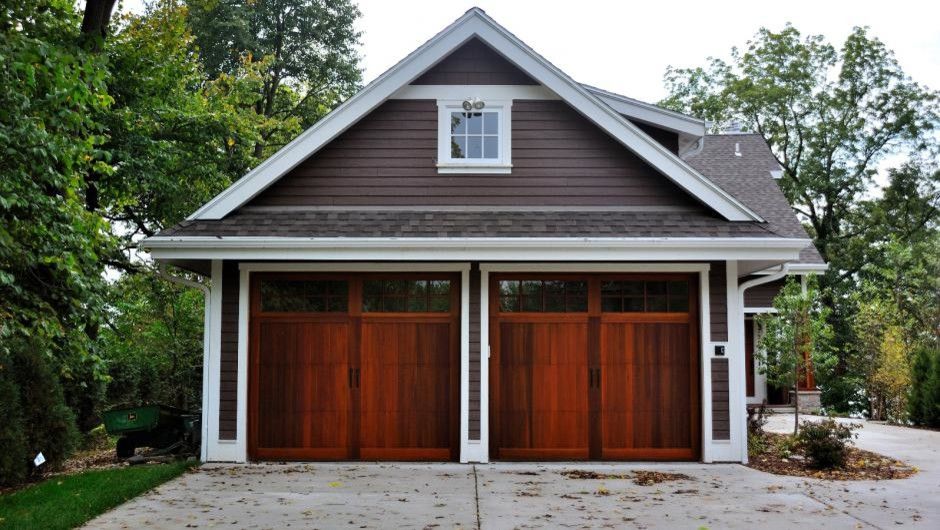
[636, 296]
[542, 296]
[304, 296]
[406, 296]
[474, 135]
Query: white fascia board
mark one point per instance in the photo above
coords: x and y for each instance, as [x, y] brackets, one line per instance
[475, 23]
[798, 269]
[651, 114]
[478, 249]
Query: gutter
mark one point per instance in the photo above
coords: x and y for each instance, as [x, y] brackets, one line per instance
[784, 270]
[161, 272]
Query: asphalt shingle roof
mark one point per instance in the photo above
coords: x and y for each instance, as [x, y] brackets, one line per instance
[447, 223]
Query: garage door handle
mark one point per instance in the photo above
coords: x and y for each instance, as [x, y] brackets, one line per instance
[357, 378]
[594, 377]
[349, 377]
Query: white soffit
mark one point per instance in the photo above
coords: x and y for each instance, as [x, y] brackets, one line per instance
[474, 23]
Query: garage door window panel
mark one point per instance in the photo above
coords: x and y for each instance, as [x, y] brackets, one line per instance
[645, 296]
[304, 296]
[542, 296]
[406, 296]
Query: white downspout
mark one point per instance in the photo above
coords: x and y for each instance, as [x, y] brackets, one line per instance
[161, 272]
[784, 271]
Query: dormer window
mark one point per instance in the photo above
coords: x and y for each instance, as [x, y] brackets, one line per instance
[474, 140]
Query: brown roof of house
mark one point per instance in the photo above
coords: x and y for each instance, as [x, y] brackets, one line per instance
[467, 223]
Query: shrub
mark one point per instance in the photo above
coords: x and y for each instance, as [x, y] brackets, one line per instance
[924, 399]
[34, 414]
[756, 419]
[825, 444]
[786, 446]
[13, 454]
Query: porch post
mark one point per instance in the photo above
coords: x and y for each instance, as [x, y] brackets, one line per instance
[212, 371]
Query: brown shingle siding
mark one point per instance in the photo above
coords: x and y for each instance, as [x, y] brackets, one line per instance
[228, 378]
[718, 301]
[389, 159]
[474, 63]
[721, 418]
[475, 351]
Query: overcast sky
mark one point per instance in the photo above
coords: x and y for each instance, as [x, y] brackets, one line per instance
[625, 46]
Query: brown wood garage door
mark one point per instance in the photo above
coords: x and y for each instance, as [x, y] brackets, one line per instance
[346, 367]
[594, 367]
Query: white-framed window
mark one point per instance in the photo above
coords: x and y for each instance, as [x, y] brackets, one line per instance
[474, 141]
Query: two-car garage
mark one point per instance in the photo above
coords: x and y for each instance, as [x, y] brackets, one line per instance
[367, 366]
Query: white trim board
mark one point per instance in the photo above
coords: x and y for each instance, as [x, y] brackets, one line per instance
[474, 249]
[475, 23]
[702, 269]
[236, 450]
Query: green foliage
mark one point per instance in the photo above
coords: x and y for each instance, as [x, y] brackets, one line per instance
[825, 443]
[302, 51]
[881, 359]
[69, 501]
[924, 401]
[832, 116]
[13, 453]
[50, 247]
[797, 337]
[154, 343]
[173, 138]
[39, 419]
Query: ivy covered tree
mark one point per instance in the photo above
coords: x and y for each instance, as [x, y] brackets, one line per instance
[796, 338]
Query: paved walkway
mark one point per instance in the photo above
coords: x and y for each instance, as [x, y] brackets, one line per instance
[530, 496]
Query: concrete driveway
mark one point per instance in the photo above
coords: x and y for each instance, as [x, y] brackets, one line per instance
[532, 495]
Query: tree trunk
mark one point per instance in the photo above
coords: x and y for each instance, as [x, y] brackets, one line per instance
[94, 30]
[95, 23]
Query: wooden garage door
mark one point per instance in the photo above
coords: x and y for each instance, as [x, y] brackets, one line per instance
[349, 367]
[594, 367]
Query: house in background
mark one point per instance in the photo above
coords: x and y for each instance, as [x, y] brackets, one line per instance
[477, 258]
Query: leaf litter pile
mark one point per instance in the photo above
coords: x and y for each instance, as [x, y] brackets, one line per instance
[640, 478]
[859, 464]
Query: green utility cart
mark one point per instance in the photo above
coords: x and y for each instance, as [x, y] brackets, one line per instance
[166, 429]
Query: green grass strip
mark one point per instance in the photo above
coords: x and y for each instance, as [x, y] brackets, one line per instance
[70, 500]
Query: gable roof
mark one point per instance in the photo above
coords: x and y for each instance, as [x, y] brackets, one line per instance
[742, 164]
[689, 129]
[475, 23]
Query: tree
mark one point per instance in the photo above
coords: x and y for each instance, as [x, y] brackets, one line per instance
[830, 116]
[174, 139]
[51, 247]
[154, 343]
[796, 338]
[922, 404]
[306, 47]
